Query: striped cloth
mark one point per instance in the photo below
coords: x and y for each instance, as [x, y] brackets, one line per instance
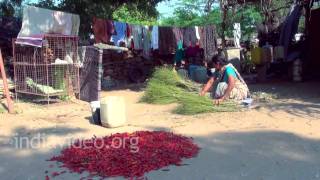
[208, 41]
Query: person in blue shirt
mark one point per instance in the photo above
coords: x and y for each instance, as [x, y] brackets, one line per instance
[229, 83]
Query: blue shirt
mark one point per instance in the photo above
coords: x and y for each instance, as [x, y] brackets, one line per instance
[229, 71]
[121, 32]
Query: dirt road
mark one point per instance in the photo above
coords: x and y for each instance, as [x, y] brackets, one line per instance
[280, 140]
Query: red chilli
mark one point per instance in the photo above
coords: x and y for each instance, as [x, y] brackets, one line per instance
[128, 155]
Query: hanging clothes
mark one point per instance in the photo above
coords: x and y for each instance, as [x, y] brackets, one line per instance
[137, 36]
[180, 44]
[155, 37]
[100, 31]
[192, 51]
[38, 21]
[146, 33]
[197, 33]
[103, 30]
[208, 41]
[120, 35]
[179, 56]
[167, 40]
[189, 36]
[290, 27]
[128, 38]
[178, 33]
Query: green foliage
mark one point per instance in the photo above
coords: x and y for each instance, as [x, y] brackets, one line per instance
[10, 7]
[282, 8]
[193, 104]
[191, 13]
[131, 14]
[166, 87]
[248, 17]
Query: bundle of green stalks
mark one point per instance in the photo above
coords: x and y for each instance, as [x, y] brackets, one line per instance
[166, 87]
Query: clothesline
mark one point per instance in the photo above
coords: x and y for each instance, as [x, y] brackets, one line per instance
[164, 38]
[39, 21]
[159, 25]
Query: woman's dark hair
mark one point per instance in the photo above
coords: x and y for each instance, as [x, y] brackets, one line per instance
[219, 59]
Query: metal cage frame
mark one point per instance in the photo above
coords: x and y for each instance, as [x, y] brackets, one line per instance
[50, 70]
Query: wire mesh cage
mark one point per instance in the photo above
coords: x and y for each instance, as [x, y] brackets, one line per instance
[49, 70]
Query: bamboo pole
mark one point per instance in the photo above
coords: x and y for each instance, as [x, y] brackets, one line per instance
[5, 85]
[224, 14]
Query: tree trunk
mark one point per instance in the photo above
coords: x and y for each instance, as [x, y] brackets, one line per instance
[224, 12]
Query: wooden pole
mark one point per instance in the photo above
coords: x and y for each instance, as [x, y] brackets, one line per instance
[224, 14]
[5, 85]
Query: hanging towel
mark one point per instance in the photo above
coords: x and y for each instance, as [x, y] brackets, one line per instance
[179, 56]
[120, 35]
[155, 37]
[128, 38]
[167, 40]
[178, 33]
[189, 36]
[146, 42]
[137, 36]
[100, 31]
[197, 32]
[208, 41]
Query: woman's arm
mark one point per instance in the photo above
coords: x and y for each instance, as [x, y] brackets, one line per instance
[207, 87]
[231, 84]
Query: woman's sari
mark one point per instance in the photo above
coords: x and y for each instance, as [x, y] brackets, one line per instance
[240, 90]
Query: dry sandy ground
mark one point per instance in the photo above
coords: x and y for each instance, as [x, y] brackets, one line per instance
[280, 140]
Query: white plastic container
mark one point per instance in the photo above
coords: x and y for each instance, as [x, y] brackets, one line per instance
[113, 112]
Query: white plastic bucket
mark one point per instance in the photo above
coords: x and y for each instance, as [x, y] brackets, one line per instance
[113, 112]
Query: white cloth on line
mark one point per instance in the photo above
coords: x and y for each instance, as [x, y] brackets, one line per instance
[155, 37]
[38, 21]
[197, 32]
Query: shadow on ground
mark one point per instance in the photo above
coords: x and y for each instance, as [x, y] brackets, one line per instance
[299, 99]
[268, 155]
[308, 91]
[297, 109]
[271, 155]
[132, 87]
[24, 155]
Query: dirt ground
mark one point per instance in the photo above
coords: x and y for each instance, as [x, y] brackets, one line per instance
[277, 141]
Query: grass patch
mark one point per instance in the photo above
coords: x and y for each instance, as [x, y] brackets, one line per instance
[166, 87]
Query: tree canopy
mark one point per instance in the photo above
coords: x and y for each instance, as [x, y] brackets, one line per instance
[193, 12]
[188, 12]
